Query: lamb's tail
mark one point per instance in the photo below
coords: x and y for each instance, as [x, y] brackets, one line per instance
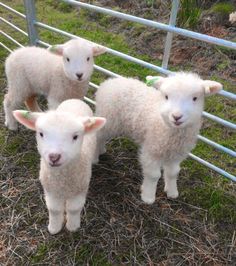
[32, 104]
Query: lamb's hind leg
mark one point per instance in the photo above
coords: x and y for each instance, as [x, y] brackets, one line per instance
[101, 146]
[151, 174]
[10, 104]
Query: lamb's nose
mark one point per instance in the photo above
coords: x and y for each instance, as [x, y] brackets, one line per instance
[54, 157]
[79, 75]
[177, 117]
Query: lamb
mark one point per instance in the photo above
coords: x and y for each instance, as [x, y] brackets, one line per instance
[62, 72]
[164, 121]
[66, 141]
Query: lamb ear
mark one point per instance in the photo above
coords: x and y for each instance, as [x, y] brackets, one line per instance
[26, 118]
[211, 87]
[56, 49]
[92, 124]
[155, 81]
[97, 50]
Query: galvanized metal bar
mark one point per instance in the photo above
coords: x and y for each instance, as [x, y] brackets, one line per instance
[169, 37]
[109, 50]
[13, 26]
[10, 38]
[219, 120]
[89, 100]
[12, 10]
[217, 146]
[213, 167]
[154, 24]
[31, 19]
[4, 46]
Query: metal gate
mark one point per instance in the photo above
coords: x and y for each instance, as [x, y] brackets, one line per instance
[32, 34]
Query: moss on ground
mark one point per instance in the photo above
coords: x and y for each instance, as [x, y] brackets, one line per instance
[134, 233]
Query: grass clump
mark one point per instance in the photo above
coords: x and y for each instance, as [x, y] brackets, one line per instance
[223, 8]
[189, 14]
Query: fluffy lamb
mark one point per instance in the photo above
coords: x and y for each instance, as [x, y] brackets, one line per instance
[66, 141]
[61, 72]
[164, 121]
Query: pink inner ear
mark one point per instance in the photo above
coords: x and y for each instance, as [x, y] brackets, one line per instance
[94, 123]
[24, 119]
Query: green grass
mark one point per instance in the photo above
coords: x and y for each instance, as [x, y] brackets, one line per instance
[223, 8]
[199, 186]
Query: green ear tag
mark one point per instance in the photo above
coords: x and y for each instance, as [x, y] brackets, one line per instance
[26, 114]
[150, 82]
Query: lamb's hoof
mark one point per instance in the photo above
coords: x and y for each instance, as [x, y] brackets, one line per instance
[54, 230]
[172, 194]
[147, 198]
[72, 227]
[11, 127]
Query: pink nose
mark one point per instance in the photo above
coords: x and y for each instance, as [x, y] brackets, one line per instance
[176, 118]
[54, 157]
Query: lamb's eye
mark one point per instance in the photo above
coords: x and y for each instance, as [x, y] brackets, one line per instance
[194, 99]
[88, 58]
[68, 59]
[75, 137]
[166, 96]
[41, 134]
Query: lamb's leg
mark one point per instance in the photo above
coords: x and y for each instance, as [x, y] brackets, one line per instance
[52, 103]
[151, 174]
[171, 171]
[100, 148]
[74, 207]
[56, 209]
[9, 106]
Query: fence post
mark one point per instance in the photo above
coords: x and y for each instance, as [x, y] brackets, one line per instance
[169, 37]
[31, 19]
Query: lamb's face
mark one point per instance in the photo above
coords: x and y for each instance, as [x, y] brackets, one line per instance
[182, 97]
[59, 138]
[78, 58]
[59, 134]
[182, 104]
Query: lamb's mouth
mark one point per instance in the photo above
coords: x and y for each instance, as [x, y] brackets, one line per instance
[178, 123]
[55, 164]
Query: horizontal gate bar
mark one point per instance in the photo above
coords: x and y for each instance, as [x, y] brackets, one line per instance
[4, 46]
[219, 120]
[154, 24]
[13, 26]
[12, 10]
[213, 167]
[217, 146]
[10, 38]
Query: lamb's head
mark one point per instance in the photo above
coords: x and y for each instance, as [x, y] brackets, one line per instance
[59, 134]
[78, 57]
[182, 97]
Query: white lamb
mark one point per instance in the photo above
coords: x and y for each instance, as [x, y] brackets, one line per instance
[62, 72]
[66, 141]
[164, 121]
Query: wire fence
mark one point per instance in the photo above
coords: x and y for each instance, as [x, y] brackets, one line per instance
[32, 34]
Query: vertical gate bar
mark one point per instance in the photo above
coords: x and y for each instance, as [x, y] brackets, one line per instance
[169, 36]
[31, 19]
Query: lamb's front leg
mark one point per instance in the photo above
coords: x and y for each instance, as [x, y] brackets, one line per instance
[74, 207]
[171, 171]
[56, 208]
[151, 174]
